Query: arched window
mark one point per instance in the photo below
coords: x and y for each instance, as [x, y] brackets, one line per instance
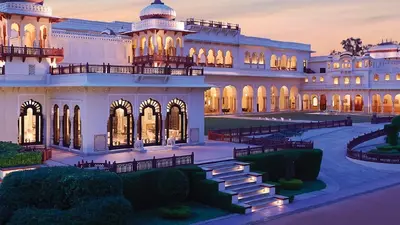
[120, 125]
[314, 79]
[170, 46]
[30, 123]
[56, 125]
[150, 46]
[293, 63]
[254, 58]
[398, 76]
[150, 125]
[376, 77]
[228, 59]
[176, 123]
[29, 35]
[261, 60]
[247, 57]
[220, 58]
[315, 101]
[358, 80]
[202, 57]
[15, 31]
[192, 52]
[66, 127]
[210, 57]
[284, 63]
[274, 62]
[77, 128]
[387, 77]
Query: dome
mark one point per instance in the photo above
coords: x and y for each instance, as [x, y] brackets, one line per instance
[385, 50]
[158, 10]
[40, 2]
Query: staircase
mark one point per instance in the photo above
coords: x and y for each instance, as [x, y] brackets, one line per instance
[246, 188]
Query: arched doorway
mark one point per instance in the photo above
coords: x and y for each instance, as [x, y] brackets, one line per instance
[294, 91]
[387, 104]
[77, 128]
[176, 123]
[347, 103]
[336, 102]
[376, 103]
[211, 101]
[306, 102]
[261, 99]
[120, 125]
[284, 98]
[229, 100]
[397, 104]
[150, 125]
[322, 101]
[247, 99]
[29, 35]
[358, 103]
[314, 102]
[274, 99]
[66, 127]
[30, 123]
[56, 125]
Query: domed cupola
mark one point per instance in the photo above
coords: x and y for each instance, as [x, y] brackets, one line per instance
[158, 10]
[39, 2]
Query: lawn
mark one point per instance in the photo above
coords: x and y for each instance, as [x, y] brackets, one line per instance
[388, 152]
[308, 186]
[315, 117]
[200, 213]
[212, 123]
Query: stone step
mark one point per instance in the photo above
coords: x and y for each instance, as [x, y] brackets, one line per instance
[238, 179]
[235, 176]
[260, 201]
[227, 169]
[267, 203]
[220, 165]
[228, 173]
[251, 190]
[237, 189]
[238, 184]
[253, 197]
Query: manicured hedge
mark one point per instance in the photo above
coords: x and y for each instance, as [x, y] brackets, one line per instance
[294, 184]
[177, 212]
[10, 157]
[57, 188]
[307, 163]
[154, 188]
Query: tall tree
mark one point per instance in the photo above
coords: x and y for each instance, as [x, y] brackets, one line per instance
[353, 45]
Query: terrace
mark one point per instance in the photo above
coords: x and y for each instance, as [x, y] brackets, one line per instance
[24, 52]
[210, 23]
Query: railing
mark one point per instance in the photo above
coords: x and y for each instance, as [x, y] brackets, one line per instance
[113, 69]
[377, 120]
[187, 60]
[370, 157]
[272, 147]
[238, 135]
[30, 52]
[134, 166]
[210, 23]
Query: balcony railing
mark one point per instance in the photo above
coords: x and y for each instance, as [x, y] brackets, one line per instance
[113, 69]
[210, 23]
[149, 59]
[13, 51]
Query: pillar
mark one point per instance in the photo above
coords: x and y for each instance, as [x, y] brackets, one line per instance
[219, 104]
[268, 103]
[72, 137]
[239, 95]
[255, 101]
[61, 116]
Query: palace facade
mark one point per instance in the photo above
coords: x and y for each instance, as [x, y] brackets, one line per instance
[96, 87]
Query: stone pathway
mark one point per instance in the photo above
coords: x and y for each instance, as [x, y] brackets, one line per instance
[343, 177]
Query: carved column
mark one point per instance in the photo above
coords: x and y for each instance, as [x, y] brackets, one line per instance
[72, 127]
[61, 126]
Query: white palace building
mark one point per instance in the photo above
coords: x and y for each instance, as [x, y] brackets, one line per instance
[98, 87]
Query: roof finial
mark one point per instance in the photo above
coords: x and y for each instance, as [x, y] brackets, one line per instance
[158, 2]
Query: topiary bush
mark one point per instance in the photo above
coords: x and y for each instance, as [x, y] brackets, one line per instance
[11, 157]
[293, 184]
[173, 185]
[176, 212]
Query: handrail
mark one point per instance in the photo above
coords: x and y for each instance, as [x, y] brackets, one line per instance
[366, 156]
[271, 147]
[377, 120]
[30, 51]
[163, 58]
[118, 69]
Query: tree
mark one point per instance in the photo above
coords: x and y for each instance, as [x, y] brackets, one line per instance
[353, 45]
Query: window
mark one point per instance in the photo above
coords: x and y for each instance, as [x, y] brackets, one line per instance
[306, 80]
[387, 77]
[336, 80]
[321, 79]
[398, 76]
[367, 63]
[322, 70]
[359, 64]
[376, 77]
[336, 65]
[346, 64]
[358, 80]
[329, 65]
[314, 79]
[347, 80]
[315, 101]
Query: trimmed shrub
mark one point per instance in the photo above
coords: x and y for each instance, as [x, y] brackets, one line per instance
[10, 157]
[149, 189]
[291, 198]
[307, 164]
[294, 184]
[176, 212]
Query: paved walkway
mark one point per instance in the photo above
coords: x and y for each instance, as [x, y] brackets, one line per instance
[343, 177]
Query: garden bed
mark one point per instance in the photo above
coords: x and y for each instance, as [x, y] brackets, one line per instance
[200, 213]
[308, 186]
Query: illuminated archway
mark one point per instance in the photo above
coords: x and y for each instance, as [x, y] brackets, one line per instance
[274, 62]
[229, 100]
[261, 60]
[150, 125]
[254, 58]
[210, 58]
[43, 36]
[66, 127]
[228, 59]
[387, 104]
[376, 103]
[120, 125]
[347, 103]
[358, 103]
[247, 57]
[306, 102]
[397, 104]
[220, 59]
[202, 57]
[336, 102]
[284, 98]
[261, 99]
[294, 99]
[211, 101]
[314, 102]
[77, 128]
[293, 63]
[323, 102]
[176, 122]
[284, 62]
[30, 123]
[56, 125]
[247, 99]
[29, 35]
[170, 46]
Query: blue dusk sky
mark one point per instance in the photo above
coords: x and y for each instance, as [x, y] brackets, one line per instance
[321, 23]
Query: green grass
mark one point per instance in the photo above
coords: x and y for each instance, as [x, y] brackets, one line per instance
[229, 123]
[199, 213]
[313, 117]
[308, 186]
[387, 152]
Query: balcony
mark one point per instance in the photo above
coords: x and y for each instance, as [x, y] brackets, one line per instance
[151, 59]
[24, 52]
[210, 23]
[113, 69]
